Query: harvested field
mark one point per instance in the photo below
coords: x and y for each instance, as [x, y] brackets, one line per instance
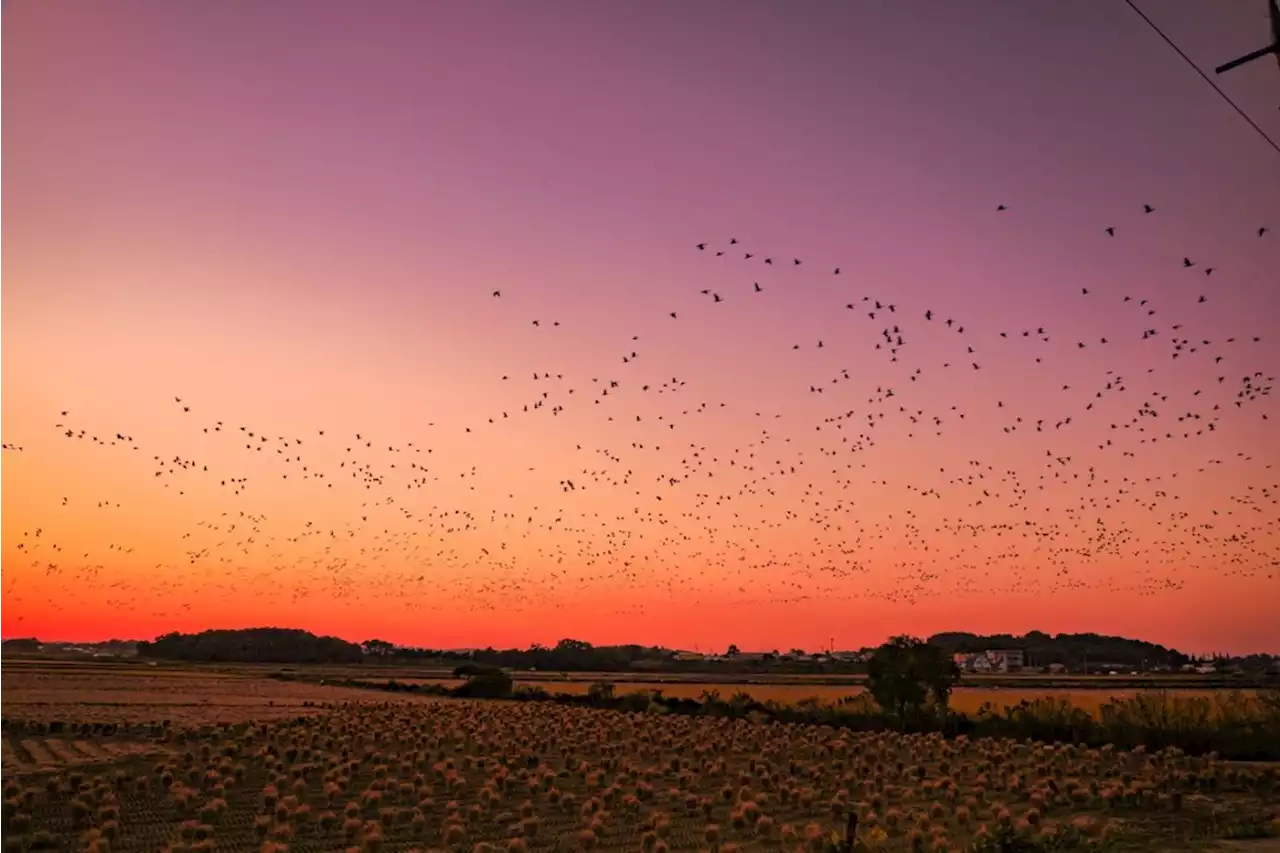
[186, 697]
[529, 777]
[21, 755]
[964, 699]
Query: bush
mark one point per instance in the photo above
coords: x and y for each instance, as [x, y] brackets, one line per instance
[601, 693]
[486, 683]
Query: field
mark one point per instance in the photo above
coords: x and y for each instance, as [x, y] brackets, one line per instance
[246, 761]
[101, 693]
[963, 699]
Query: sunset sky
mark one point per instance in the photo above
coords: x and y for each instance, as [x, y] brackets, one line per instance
[290, 218]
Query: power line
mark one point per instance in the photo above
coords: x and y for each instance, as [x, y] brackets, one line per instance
[1205, 77]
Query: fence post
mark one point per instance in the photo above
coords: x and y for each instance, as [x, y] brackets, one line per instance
[850, 832]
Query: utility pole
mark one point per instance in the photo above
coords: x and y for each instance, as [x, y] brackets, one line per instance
[1273, 48]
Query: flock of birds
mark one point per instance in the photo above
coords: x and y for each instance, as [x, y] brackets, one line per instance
[903, 475]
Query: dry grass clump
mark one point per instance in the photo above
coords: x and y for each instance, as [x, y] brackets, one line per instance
[536, 777]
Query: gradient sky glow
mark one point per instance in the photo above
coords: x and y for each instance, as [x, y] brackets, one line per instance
[292, 217]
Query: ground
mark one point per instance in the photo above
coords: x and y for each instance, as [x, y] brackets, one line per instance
[187, 696]
[965, 699]
[245, 758]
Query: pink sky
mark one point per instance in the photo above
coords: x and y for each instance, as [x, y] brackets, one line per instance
[293, 221]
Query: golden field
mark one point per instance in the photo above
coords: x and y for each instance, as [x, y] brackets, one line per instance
[963, 699]
[506, 777]
[189, 697]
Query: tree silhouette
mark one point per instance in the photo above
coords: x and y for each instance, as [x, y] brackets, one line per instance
[905, 673]
[379, 648]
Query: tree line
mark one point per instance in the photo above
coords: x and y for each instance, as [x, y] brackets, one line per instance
[251, 645]
[1074, 652]
[909, 685]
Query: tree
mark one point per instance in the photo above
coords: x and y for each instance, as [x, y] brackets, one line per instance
[378, 648]
[257, 645]
[483, 682]
[573, 655]
[905, 673]
[732, 651]
[601, 692]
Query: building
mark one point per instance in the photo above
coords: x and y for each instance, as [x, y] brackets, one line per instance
[992, 661]
[754, 657]
[1007, 660]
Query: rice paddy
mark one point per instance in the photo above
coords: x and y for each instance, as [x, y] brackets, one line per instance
[963, 699]
[196, 761]
[487, 777]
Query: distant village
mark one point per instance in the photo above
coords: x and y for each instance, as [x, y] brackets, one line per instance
[732, 655]
[1126, 658]
[1002, 661]
[989, 662]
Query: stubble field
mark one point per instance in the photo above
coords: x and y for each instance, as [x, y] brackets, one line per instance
[64, 695]
[247, 762]
[963, 699]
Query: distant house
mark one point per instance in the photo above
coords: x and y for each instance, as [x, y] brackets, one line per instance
[753, 656]
[1206, 668]
[851, 657]
[992, 661]
[798, 657]
[1057, 668]
[1007, 660]
[688, 656]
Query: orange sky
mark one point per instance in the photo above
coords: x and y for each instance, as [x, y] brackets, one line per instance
[299, 228]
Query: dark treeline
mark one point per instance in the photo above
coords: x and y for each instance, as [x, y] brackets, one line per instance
[580, 656]
[1074, 652]
[252, 645]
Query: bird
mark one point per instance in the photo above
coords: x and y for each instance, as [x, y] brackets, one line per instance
[582, 463]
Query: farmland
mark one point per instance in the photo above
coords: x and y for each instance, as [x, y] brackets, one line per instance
[129, 681]
[964, 699]
[136, 694]
[245, 761]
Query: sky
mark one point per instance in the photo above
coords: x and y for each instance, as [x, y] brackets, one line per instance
[232, 226]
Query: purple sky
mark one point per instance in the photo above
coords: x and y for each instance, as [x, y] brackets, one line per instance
[293, 214]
